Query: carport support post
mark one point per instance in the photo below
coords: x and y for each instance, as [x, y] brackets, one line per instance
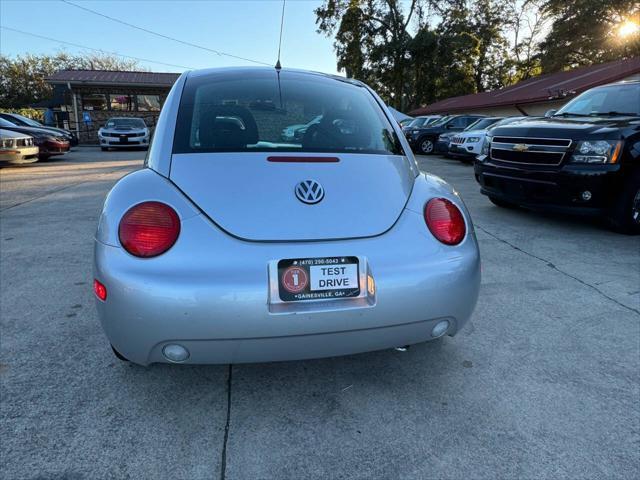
[75, 110]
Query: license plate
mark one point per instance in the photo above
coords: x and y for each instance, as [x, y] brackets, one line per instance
[124, 139]
[318, 278]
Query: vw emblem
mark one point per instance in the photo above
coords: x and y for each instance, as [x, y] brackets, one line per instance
[309, 191]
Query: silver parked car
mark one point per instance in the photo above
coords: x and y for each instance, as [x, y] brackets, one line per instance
[125, 132]
[17, 148]
[234, 245]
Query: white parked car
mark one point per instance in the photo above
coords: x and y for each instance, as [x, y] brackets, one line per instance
[124, 132]
[467, 144]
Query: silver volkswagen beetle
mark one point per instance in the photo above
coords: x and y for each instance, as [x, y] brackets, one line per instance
[234, 245]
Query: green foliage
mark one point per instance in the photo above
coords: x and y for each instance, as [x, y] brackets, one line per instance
[22, 79]
[25, 112]
[585, 32]
[371, 42]
[420, 51]
[464, 53]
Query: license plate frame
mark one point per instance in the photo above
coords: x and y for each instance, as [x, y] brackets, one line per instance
[295, 278]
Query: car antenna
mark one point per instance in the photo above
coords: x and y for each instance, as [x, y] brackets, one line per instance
[278, 65]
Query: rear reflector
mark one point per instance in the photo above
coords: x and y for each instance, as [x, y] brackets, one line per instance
[149, 229]
[100, 290]
[445, 221]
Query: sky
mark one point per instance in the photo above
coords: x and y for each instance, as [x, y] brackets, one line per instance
[244, 28]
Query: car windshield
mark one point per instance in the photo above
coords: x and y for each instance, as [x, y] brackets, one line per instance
[126, 123]
[440, 121]
[506, 121]
[418, 122]
[258, 113]
[29, 121]
[482, 124]
[609, 100]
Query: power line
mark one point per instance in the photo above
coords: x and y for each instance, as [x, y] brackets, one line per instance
[161, 35]
[94, 49]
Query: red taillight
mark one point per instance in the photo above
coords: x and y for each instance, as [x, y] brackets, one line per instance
[100, 290]
[149, 229]
[445, 221]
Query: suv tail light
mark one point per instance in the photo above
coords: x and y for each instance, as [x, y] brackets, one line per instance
[445, 221]
[149, 229]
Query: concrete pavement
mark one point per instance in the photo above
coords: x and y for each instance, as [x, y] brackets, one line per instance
[542, 383]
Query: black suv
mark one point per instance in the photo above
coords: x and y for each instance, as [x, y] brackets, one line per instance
[424, 140]
[583, 158]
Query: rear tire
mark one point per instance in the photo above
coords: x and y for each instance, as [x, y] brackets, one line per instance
[501, 203]
[426, 146]
[118, 355]
[624, 216]
[104, 149]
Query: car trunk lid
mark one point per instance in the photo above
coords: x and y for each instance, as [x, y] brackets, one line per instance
[253, 195]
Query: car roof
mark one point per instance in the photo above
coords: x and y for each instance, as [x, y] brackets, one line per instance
[245, 72]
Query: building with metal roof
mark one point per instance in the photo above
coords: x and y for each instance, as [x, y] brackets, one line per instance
[88, 98]
[111, 78]
[536, 95]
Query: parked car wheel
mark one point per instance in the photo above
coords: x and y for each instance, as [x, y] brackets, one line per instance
[104, 149]
[625, 214]
[426, 146]
[501, 203]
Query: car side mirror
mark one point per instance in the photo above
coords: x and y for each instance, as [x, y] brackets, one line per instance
[550, 113]
[449, 126]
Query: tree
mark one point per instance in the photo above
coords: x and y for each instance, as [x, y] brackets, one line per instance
[456, 53]
[22, 79]
[528, 20]
[372, 41]
[488, 21]
[585, 32]
[465, 52]
[457, 47]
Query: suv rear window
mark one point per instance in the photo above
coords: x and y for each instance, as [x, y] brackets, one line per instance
[296, 112]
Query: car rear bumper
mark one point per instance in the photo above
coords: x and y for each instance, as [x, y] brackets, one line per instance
[221, 306]
[301, 347]
[561, 189]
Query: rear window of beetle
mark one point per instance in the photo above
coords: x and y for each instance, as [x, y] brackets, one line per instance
[292, 113]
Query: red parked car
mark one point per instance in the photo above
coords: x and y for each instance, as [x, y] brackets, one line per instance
[49, 142]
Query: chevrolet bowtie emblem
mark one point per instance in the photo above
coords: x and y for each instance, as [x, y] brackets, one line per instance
[521, 147]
